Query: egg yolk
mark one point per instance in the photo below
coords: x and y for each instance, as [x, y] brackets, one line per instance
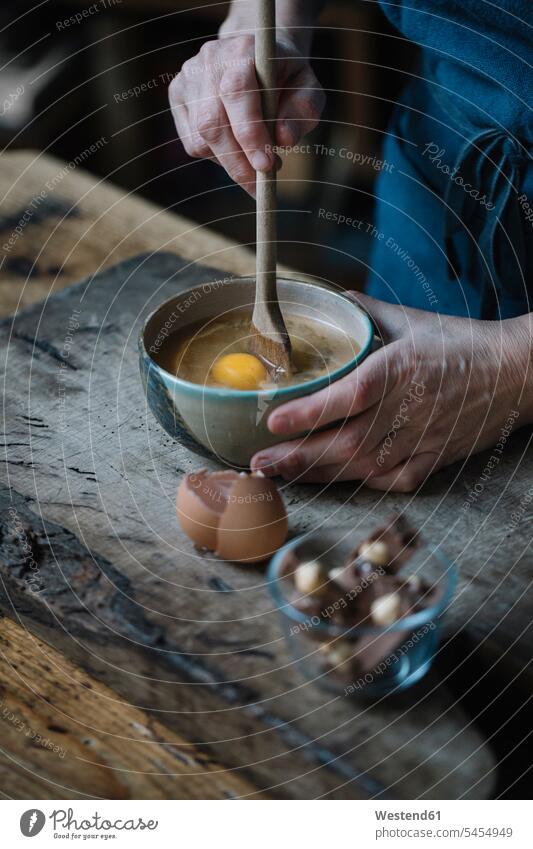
[239, 371]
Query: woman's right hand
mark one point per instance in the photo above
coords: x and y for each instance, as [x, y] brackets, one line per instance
[216, 106]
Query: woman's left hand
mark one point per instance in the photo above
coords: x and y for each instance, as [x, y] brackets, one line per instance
[440, 389]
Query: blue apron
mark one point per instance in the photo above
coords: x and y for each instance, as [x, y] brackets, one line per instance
[454, 223]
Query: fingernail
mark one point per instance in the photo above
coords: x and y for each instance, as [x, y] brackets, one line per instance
[263, 463]
[260, 161]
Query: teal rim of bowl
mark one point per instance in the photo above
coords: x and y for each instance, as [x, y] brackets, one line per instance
[221, 392]
[407, 623]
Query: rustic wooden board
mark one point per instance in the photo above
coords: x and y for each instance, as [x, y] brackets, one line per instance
[186, 637]
[85, 224]
[76, 738]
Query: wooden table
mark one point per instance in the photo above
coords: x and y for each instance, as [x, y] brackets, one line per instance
[63, 730]
[83, 226]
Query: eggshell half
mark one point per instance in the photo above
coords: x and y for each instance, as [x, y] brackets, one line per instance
[200, 503]
[254, 524]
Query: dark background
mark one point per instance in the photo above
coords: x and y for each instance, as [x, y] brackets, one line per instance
[357, 56]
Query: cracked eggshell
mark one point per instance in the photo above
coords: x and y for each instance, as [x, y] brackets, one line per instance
[240, 517]
[254, 524]
[200, 503]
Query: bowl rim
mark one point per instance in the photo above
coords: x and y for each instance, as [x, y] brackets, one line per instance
[310, 385]
[407, 623]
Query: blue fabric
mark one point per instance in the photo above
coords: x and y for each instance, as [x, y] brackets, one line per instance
[454, 226]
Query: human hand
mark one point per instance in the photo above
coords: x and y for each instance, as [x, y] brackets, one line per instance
[440, 389]
[217, 110]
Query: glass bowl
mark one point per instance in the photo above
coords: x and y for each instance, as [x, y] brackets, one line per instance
[363, 659]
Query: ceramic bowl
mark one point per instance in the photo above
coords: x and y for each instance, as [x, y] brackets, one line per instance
[228, 423]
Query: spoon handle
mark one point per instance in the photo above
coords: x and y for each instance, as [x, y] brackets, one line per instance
[266, 237]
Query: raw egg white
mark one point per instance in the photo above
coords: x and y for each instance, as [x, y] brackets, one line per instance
[238, 516]
[239, 371]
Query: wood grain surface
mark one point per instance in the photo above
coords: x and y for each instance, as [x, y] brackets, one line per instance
[86, 225]
[92, 482]
[82, 225]
[56, 721]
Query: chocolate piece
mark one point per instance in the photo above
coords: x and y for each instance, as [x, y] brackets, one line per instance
[364, 592]
[309, 605]
[371, 650]
[398, 537]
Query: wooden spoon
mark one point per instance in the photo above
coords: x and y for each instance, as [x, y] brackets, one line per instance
[269, 338]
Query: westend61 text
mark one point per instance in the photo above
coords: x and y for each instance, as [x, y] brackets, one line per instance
[407, 815]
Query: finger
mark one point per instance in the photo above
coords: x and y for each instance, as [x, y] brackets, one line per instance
[335, 473]
[351, 395]
[194, 145]
[336, 445]
[191, 140]
[352, 448]
[300, 107]
[214, 128]
[406, 476]
[242, 101]
[401, 432]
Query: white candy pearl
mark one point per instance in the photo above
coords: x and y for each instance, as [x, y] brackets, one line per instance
[376, 552]
[336, 572]
[385, 610]
[338, 653]
[309, 578]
